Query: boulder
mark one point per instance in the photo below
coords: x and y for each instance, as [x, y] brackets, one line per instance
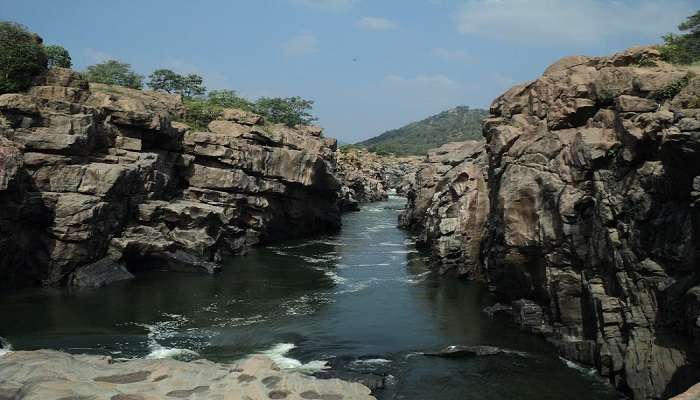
[99, 274]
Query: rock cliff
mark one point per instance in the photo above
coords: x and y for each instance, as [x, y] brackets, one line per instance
[592, 180]
[97, 182]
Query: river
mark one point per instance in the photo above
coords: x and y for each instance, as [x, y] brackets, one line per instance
[365, 295]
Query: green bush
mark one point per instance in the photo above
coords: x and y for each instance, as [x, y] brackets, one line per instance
[200, 112]
[22, 57]
[113, 72]
[58, 56]
[672, 89]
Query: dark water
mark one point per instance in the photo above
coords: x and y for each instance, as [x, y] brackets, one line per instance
[365, 292]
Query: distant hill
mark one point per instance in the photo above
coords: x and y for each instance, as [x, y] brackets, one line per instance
[459, 123]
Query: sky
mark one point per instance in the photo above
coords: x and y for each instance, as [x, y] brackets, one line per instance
[369, 65]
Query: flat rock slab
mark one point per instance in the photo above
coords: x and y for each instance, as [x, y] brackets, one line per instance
[47, 374]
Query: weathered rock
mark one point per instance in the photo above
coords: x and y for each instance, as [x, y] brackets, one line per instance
[95, 171]
[592, 217]
[448, 206]
[100, 273]
[46, 374]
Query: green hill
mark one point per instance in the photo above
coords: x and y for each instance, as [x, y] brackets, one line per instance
[459, 123]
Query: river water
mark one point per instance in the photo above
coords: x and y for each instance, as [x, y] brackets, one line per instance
[365, 295]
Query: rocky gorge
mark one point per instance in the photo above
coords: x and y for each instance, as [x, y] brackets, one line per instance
[581, 208]
[578, 209]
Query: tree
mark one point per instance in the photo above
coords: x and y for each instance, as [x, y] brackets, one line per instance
[683, 48]
[192, 86]
[164, 80]
[58, 56]
[171, 82]
[22, 57]
[228, 99]
[113, 72]
[291, 111]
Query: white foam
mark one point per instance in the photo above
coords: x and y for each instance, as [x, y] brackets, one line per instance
[278, 354]
[158, 352]
[225, 322]
[372, 362]
[304, 305]
[578, 367]
[5, 347]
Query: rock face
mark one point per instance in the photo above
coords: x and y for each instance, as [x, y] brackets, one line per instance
[93, 173]
[367, 177]
[448, 206]
[593, 175]
[46, 374]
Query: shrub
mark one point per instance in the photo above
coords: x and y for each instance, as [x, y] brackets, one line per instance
[113, 72]
[22, 57]
[58, 56]
[200, 112]
[672, 89]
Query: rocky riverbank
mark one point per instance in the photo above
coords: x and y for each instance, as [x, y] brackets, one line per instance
[97, 182]
[581, 207]
[46, 374]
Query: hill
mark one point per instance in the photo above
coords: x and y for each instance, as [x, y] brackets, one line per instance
[459, 123]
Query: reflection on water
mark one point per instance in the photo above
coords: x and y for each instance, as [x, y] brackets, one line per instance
[365, 292]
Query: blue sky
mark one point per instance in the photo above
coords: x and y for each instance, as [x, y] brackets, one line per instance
[370, 65]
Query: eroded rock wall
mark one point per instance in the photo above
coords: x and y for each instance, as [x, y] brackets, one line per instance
[101, 178]
[593, 182]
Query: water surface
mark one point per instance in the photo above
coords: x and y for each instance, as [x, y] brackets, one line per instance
[365, 292]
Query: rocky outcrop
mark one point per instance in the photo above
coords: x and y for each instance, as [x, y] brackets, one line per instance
[367, 177]
[448, 206]
[101, 181]
[46, 374]
[593, 178]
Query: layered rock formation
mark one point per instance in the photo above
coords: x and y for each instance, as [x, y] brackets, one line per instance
[593, 175]
[46, 374]
[367, 177]
[96, 182]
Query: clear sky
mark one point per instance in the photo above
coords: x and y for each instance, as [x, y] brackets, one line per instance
[370, 65]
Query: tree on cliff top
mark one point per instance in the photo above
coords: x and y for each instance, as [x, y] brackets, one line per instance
[22, 57]
[168, 81]
[58, 56]
[291, 111]
[113, 72]
[683, 48]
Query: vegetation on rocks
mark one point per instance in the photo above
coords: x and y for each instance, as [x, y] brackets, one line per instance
[459, 123]
[171, 82]
[58, 56]
[113, 72]
[22, 57]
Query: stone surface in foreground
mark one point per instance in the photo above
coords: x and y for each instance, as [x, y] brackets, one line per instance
[47, 374]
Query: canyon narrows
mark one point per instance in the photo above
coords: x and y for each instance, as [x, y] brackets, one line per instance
[578, 214]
